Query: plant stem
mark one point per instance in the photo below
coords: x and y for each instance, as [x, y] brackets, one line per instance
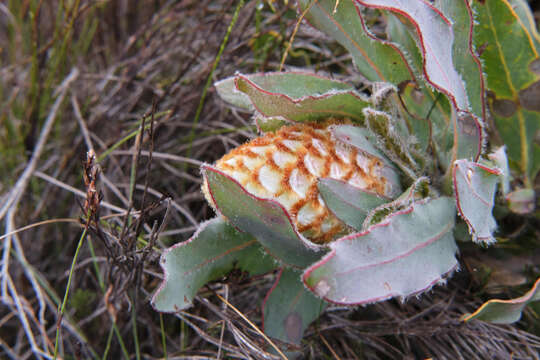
[163, 339]
[135, 335]
[108, 346]
[66, 294]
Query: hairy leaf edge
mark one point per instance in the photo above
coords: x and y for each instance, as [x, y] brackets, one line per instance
[309, 245]
[163, 284]
[385, 222]
[368, 33]
[303, 98]
[494, 171]
[479, 123]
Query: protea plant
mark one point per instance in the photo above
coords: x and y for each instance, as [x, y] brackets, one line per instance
[354, 196]
[286, 165]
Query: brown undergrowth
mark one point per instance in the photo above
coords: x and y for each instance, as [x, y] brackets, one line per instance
[123, 79]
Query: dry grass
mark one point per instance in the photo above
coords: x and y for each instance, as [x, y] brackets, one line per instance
[88, 75]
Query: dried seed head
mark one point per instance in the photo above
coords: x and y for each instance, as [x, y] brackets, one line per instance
[284, 166]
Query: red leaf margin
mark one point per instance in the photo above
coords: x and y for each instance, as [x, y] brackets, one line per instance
[478, 122]
[494, 171]
[288, 98]
[193, 238]
[309, 245]
[385, 222]
[369, 34]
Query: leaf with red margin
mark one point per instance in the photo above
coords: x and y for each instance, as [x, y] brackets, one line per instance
[466, 61]
[449, 63]
[265, 219]
[474, 187]
[289, 308]
[376, 60]
[505, 311]
[349, 203]
[436, 40]
[418, 190]
[213, 251]
[301, 97]
[427, 110]
[406, 254]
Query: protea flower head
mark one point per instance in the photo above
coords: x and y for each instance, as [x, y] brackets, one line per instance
[284, 166]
